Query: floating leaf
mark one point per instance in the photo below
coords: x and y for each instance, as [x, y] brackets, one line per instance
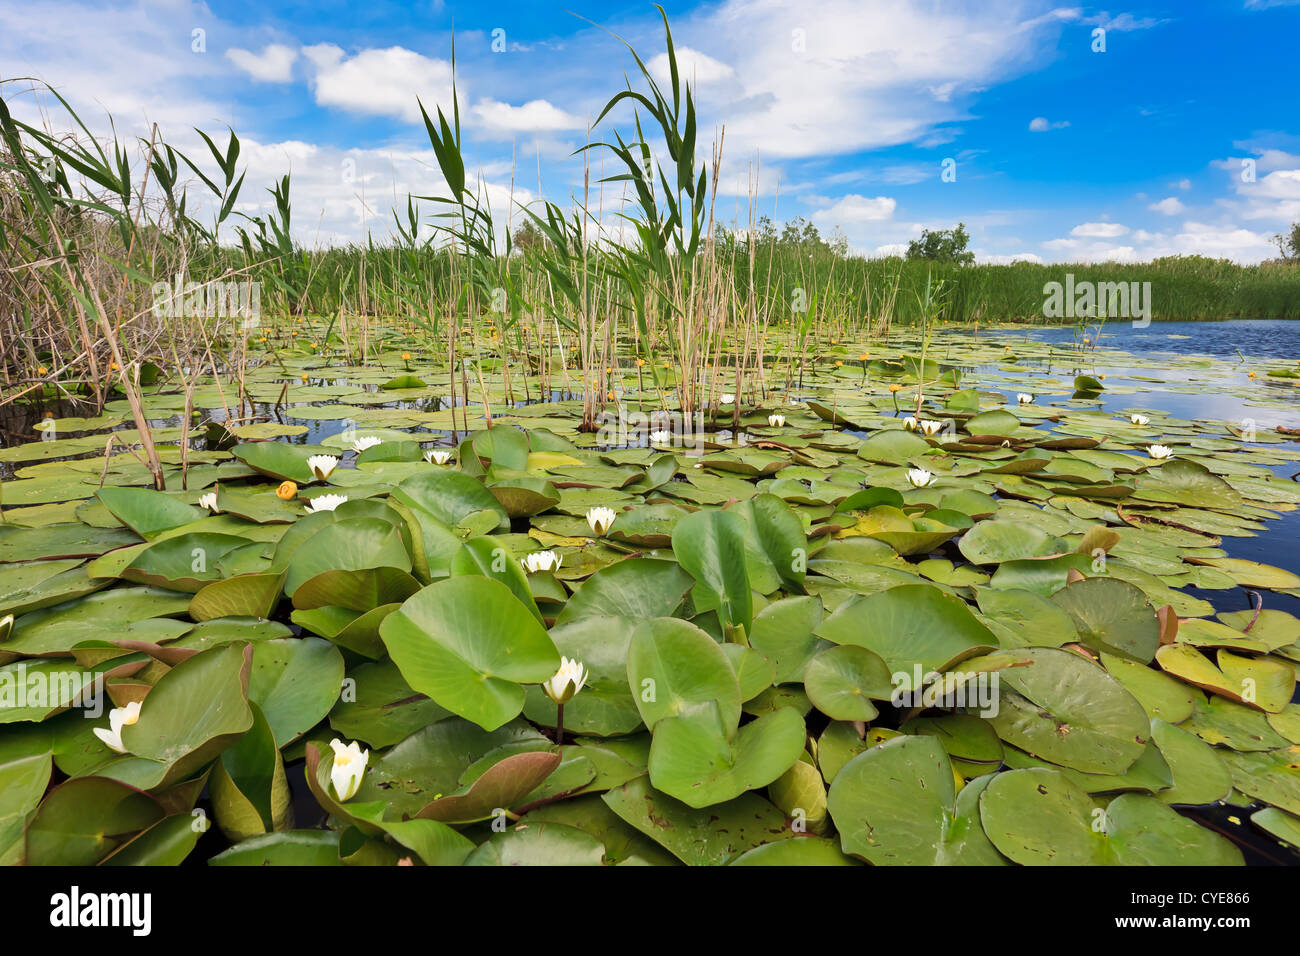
[469, 644]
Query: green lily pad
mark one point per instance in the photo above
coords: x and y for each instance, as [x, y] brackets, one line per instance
[896, 804]
[469, 644]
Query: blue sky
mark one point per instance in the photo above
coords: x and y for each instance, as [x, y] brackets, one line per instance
[846, 111]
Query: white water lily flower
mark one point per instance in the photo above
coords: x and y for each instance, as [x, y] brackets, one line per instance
[209, 501]
[919, 477]
[910, 424]
[118, 718]
[661, 437]
[6, 627]
[931, 428]
[599, 519]
[566, 683]
[322, 466]
[1139, 420]
[727, 399]
[541, 561]
[361, 444]
[325, 503]
[1024, 398]
[438, 456]
[348, 769]
[1160, 452]
[775, 420]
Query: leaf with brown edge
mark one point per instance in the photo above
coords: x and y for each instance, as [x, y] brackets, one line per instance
[168, 655]
[501, 785]
[1168, 624]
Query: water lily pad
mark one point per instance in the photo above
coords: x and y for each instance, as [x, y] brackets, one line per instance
[539, 844]
[674, 669]
[469, 644]
[638, 588]
[1254, 574]
[842, 680]
[196, 710]
[710, 545]
[244, 595]
[783, 632]
[1068, 710]
[83, 820]
[698, 837]
[992, 542]
[1037, 817]
[295, 682]
[1112, 615]
[697, 759]
[809, 851]
[147, 512]
[896, 804]
[1199, 776]
[910, 626]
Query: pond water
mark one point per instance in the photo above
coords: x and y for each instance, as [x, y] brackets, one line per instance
[1261, 338]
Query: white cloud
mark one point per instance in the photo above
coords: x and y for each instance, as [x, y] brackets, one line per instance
[1084, 250]
[1040, 124]
[273, 65]
[892, 249]
[138, 68]
[1170, 206]
[1099, 230]
[839, 76]
[340, 195]
[692, 66]
[1003, 260]
[1221, 241]
[1122, 23]
[1275, 197]
[1275, 193]
[380, 82]
[905, 174]
[534, 116]
[1228, 241]
[853, 208]
[1183, 184]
